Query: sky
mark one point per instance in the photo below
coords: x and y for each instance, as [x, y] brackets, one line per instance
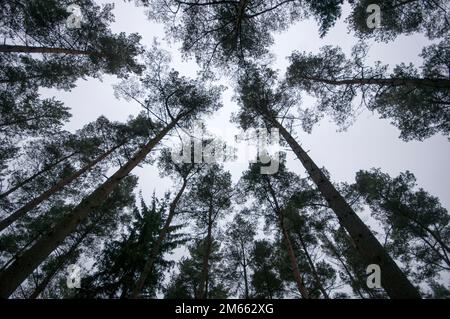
[369, 142]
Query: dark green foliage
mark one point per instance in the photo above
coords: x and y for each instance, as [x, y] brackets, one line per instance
[44, 24]
[184, 284]
[416, 225]
[401, 17]
[349, 264]
[223, 33]
[266, 281]
[268, 236]
[122, 259]
[91, 50]
[238, 245]
[416, 102]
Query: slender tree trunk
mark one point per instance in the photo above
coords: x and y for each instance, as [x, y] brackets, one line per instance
[436, 236]
[28, 49]
[292, 257]
[148, 267]
[393, 279]
[48, 278]
[269, 290]
[349, 273]
[53, 190]
[313, 267]
[32, 177]
[14, 275]
[22, 249]
[247, 294]
[435, 83]
[64, 258]
[205, 266]
[244, 266]
[62, 261]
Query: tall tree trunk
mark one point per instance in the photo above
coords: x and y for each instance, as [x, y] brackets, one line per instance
[349, 273]
[393, 279]
[244, 267]
[403, 211]
[290, 250]
[22, 249]
[28, 49]
[14, 275]
[148, 267]
[61, 262]
[269, 290]
[435, 83]
[313, 267]
[37, 174]
[64, 258]
[293, 259]
[53, 190]
[205, 266]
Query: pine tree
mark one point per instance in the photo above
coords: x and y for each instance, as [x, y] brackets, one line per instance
[238, 245]
[208, 199]
[123, 259]
[415, 224]
[398, 17]
[175, 101]
[266, 280]
[416, 102]
[186, 283]
[261, 103]
[90, 49]
[183, 172]
[272, 194]
[222, 33]
[92, 145]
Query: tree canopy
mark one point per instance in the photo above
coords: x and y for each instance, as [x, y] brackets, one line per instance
[136, 202]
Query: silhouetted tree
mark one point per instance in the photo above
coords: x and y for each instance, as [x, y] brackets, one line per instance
[173, 100]
[229, 32]
[398, 17]
[262, 103]
[416, 102]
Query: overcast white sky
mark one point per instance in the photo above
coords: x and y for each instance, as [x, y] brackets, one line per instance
[370, 142]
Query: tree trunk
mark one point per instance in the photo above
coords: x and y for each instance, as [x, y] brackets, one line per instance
[292, 257]
[393, 279]
[64, 258]
[313, 267]
[29, 179]
[435, 83]
[244, 266]
[62, 261]
[56, 188]
[14, 275]
[349, 273]
[269, 290]
[28, 49]
[205, 266]
[22, 249]
[401, 210]
[157, 246]
[298, 279]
